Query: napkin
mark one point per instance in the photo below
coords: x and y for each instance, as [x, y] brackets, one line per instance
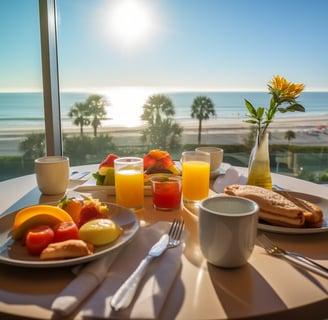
[154, 287]
[232, 176]
[88, 278]
[113, 269]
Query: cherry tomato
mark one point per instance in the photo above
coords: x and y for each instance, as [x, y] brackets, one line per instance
[65, 231]
[38, 238]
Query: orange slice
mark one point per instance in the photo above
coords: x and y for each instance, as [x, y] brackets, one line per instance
[39, 214]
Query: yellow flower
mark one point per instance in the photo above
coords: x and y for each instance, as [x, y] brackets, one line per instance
[283, 89]
[283, 100]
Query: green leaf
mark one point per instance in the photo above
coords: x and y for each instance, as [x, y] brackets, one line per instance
[250, 108]
[260, 112]
[251, 121]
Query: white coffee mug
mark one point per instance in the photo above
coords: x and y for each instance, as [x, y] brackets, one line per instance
[227, 230]
[216, 156]
[52, 174]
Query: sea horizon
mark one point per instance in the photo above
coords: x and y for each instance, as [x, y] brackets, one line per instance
[21, 109]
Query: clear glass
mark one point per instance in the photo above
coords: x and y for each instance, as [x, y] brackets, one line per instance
[195, 175]
[259, 165]
[166, 192]
[22, 127]
[129, 182]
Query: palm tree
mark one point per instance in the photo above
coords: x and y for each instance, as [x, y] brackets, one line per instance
[289, 135]
[96, 109]
[201, 109]
[79, 111]
[33, 146]
[162, 132]
[156, 107]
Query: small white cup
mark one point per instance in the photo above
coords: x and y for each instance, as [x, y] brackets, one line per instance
[227, 230]
[216, 156]
[52, 174]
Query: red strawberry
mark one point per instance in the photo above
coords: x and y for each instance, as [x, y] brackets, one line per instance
[89, 213]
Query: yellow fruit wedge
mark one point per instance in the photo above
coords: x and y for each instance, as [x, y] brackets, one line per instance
[100, 231]
[110, 177]
[44, 213]
[174, 169]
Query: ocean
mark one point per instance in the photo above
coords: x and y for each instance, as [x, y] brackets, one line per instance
[21, 110]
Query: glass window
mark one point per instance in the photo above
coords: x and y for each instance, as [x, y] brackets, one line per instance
[134, 73]
[21, 100]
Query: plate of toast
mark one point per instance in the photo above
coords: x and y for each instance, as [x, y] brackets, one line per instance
[286, 212]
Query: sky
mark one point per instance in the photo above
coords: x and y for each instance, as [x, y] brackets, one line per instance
[236, 45]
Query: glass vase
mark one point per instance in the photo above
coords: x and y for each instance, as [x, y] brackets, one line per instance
[259, 164]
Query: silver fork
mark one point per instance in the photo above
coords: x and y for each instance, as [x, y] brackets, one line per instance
[124, 295]
[292, 257]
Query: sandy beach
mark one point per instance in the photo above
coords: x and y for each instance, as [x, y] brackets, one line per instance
[218, 132]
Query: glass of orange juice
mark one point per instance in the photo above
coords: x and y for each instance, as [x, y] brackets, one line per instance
[129, 182]
[195, 175]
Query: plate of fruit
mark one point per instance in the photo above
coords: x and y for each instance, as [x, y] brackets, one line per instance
[66, 233]
[156, 162]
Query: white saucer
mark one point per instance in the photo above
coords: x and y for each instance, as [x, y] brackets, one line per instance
[221, 170]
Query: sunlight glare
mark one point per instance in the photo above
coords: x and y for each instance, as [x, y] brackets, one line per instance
[130, 21]
[126, 105]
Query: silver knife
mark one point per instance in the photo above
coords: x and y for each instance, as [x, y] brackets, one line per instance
[124, 295]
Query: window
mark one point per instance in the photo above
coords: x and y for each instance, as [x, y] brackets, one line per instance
[118, 55]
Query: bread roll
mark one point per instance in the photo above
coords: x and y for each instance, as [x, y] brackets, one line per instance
[66, 249]
[274, 208]
[314, 216]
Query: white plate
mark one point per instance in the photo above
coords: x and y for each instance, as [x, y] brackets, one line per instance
[17, 255]
[221, 170]
[320, 202]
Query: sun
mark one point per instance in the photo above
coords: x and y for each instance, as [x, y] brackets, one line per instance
[130, 21]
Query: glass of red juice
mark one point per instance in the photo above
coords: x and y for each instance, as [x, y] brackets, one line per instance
[166, 192]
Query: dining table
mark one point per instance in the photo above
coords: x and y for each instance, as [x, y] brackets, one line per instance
[267, 287]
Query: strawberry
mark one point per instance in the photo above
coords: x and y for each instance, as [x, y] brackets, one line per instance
[89, 213]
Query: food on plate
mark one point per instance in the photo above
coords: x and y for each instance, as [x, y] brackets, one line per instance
[66, 249]
[53, 233]
[92, 209]
[105, 174]
[37, 215]
[100, 231]
[277, 209]
[313, 216]
[38, 238]
[159, 161]
[65, 230]
[72, 206]
[155, 161]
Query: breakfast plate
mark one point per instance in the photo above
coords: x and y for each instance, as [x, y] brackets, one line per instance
[14, 253]
[320, 202]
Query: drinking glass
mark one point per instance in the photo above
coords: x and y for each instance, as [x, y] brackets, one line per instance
[166, 192]
[129, 182]
[195, 175]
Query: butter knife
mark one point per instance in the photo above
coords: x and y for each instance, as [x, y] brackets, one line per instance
[124, 295]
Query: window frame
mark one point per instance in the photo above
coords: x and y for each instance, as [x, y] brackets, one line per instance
[50, 77]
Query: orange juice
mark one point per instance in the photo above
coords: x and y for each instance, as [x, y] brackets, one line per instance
[195, 180]
[129, 186]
